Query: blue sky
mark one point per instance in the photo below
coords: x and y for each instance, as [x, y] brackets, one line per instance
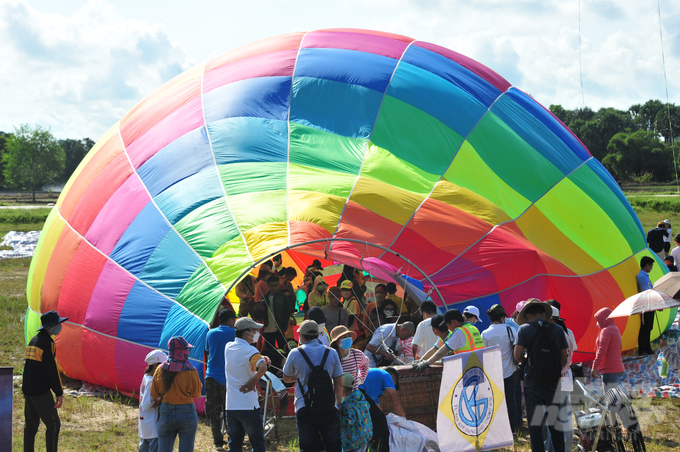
[79, 66]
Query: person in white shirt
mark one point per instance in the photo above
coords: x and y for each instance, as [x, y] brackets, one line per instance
[384, 342]
[425, 339]
[675, 252]
[667, 238]
[244, 366]
[148, 406]
[498, 333]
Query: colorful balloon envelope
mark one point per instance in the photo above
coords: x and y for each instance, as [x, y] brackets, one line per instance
[396, 156]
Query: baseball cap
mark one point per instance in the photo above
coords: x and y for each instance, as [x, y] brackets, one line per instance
[246, 323]
[347, 380]
[472, 310]
[346, 284]
[309, 328]
[156, 357]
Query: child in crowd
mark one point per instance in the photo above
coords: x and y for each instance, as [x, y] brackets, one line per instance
[406, 348]
[148, 411]
[356, 427]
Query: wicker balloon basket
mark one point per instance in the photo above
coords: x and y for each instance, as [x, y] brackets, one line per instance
[418, 393]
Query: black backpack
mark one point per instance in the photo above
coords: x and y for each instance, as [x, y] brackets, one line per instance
[319, 397]
[544, 357]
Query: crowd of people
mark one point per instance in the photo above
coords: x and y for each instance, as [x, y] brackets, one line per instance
[341, 365]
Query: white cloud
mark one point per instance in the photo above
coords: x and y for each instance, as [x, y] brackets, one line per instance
[78, 75]
[80, 72]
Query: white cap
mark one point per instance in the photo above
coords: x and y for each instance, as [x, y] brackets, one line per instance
[472, 310]
[555, 312]
[156, 357]
[246, 323]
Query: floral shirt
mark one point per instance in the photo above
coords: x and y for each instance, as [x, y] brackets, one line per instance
[356, 427]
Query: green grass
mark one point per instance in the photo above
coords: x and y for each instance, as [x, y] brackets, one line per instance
[91, 424]
[24, 216]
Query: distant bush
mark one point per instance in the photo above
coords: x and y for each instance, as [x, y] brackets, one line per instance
[24, 216]
[656, 204]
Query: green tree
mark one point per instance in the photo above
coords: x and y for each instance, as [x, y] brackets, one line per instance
[644, 116]
[33, 158]
[632, 155]
[3, 146]
[75, 151]
[662, 125]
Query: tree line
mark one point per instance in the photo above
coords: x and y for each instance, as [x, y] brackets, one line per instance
[31, 157]
[635, 145]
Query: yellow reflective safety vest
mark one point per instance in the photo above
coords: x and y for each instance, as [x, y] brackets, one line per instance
[473, 340]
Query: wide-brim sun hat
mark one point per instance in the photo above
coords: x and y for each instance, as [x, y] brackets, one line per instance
[547, 310]
[340, 332]
[49, 319]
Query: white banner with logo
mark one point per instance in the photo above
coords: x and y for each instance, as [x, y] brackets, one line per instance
[472, 414]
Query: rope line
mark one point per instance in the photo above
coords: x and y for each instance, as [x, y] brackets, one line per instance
[668, 105]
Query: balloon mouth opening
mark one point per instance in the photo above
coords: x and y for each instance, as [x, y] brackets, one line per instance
[335, 253]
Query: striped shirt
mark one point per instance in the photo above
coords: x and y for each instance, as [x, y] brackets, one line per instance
[356, 364]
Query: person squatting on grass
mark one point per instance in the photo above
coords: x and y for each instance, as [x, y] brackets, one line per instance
[40, 376]
[148, 406]
[176, 383]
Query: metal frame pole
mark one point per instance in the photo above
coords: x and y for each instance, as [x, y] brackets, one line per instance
[363, 242]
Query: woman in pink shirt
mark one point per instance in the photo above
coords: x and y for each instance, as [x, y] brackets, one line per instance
[608, 362]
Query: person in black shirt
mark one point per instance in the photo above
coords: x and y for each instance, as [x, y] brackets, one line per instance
[670, 263]
[655, 239]
[40, 376]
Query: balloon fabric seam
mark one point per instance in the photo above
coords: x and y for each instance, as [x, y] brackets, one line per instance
[108, 258]
[565, 176]
[290, 103]
[453, 159]
[153, 201]
[368, 140]
[224, 191]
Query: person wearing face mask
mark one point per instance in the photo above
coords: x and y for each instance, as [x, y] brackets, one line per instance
[244, 366]
[318, 296]
[471, 314]
[349, 301]
[40, 377]
[353, 361]
[388, 313]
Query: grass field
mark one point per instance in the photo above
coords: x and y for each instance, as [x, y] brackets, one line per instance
[93, 424]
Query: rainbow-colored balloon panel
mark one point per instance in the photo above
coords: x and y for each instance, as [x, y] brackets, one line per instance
[331, 134]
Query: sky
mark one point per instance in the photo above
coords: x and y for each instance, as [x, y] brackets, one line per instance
[78, 66]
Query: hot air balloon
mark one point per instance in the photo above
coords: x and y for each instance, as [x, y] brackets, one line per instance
[395, 156]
